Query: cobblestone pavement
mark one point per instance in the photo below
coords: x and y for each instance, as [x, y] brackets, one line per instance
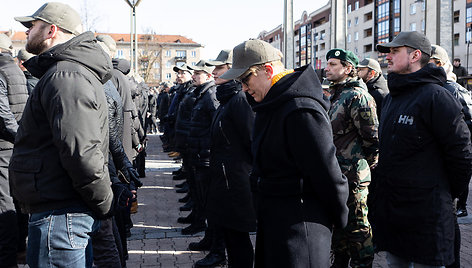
[156, 240]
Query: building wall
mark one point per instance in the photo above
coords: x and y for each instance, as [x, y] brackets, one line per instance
[411, 14]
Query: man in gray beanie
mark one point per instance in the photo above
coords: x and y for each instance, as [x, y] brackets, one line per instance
[13, 96]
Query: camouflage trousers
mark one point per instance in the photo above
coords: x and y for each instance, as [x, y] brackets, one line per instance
[354, 242]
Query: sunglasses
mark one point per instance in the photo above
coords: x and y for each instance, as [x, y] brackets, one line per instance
[245, 79]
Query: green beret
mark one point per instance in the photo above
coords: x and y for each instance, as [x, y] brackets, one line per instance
[342, 54]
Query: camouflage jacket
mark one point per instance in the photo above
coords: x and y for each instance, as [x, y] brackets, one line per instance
[355, 129]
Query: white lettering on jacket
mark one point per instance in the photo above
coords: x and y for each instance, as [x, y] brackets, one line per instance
[405, 119]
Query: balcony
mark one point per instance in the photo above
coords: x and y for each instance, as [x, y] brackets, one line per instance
[180, 58]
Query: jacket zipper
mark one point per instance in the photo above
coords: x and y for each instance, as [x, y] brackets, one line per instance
[224, 174]
[224, 135]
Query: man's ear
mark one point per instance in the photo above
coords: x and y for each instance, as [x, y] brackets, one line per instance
[53, 29]
[269, 70]
[415, 55]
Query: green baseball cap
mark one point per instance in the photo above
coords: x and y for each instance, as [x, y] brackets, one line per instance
[248, 54]
[5, 42]
[225, 57]
[341, 54]
[201, 66]
[412, 39]
[59, 14]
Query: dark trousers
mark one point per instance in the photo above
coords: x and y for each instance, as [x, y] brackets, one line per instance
[22, 219]
[8, 220]
[121, 219]
[105, 252]
[239, 248]
[462, 199]
[198, 184]
[215, 234]
[457, 246]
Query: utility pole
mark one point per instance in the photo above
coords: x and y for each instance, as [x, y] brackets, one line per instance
[133, 36]
[289, 52]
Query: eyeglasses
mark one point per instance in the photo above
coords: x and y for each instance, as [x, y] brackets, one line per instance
[245, 79]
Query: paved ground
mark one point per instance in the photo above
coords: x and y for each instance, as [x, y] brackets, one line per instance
[156, 240]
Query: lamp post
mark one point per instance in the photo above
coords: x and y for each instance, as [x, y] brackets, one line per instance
[133, 35]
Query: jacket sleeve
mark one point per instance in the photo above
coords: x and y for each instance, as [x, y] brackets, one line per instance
[453, 135]
[364, 116]
[309, 134]
[8, 124]
[243, 118]
[74, 108]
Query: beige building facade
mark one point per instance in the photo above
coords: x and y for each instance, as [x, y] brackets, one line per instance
[157, 54]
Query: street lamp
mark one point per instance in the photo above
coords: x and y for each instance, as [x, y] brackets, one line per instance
[133, 35]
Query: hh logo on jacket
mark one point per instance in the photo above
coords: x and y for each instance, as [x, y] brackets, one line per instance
[405, 119]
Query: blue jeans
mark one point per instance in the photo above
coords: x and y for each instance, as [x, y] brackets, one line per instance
[394, 261]
[60, 238]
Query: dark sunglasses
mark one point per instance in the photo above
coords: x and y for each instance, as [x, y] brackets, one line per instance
[245, 79]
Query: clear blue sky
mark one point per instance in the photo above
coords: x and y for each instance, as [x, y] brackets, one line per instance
[215, 24]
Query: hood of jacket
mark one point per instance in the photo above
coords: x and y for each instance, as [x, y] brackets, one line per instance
[82, 49]
[122, 65]
[302, 83]
[429, 74]
[225, 91]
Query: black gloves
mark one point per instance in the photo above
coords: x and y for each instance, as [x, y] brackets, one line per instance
[122, 195]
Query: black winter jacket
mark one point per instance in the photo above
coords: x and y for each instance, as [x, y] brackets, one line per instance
[13, 96]
[464, 97]
[60, 158]
[378, 89]
[425, 161]
[199, 139]
[301, 192]
[182, 122]
[230, 200]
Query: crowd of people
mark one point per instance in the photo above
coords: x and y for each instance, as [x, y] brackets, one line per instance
[325, 174]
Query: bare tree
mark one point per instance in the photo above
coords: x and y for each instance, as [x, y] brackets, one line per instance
[149, 54]
[89, 16]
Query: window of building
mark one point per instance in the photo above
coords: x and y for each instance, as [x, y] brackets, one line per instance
[457, 14]
[368, 48]
[356, 20]
[193, 53]
[120, 53]
[367, 32]
[356, 5]
[356, 36]
[383, 28]
[423, 5]
[181, 53]
[423, 26]
[413, 26]
[456, 38]
[468, 15]
[168, 53]
[468, 35]
[322, 35]
[303, 41]
[322, 46]
[349, 38]
[168, 64]
[168, 76]
[356, 50]
[157, 76]
[156, 65]
[413, 8]
[349, 24]
[156, 53]
[396, 24]
[396, 6]
[366, 2]
[349, 8]
[367, 16]
[382, 10]
[302, 30]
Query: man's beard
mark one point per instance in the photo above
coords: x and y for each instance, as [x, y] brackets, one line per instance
[36, 47]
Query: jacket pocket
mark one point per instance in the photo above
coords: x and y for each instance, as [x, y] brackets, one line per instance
[23, 180]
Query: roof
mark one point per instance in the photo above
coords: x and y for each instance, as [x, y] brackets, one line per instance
[125, 38]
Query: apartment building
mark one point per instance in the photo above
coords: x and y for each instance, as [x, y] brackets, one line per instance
[370, 22]
[157, 54]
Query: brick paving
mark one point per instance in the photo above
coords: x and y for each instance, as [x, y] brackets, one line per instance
[156, 240]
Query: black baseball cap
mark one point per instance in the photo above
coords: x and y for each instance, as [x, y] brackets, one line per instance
[412, 39]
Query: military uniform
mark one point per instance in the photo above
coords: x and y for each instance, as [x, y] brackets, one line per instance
[355, 129]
